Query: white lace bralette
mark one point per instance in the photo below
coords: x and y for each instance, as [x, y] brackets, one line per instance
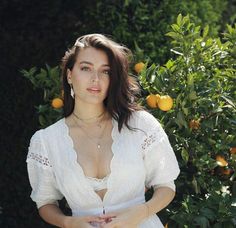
[98, 184]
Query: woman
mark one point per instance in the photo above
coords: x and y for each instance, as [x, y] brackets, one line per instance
[105, 150]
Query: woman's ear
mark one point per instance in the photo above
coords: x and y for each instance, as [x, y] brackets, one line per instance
[69, 76]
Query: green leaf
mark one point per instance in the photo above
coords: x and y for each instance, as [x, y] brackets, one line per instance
[192, 95]
[211, 141]
[175, 27]
[186, 19]
[205, 31]
[210, 214]
[150, 71]
[174, 35]
[185, 110]
[190, 79]
[230, 28]
[195, 185]
[169, 64]
[42, 120]
[180, 120]
[179, 19]
[158, 83]
[229, 101]
[184, 155]
[201, 221]
[177, 100]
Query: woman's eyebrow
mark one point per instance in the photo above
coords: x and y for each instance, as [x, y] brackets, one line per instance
[89, 63]
[86, 62]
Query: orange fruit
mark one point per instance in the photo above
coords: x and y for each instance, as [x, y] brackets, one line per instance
[158, 97]
[138, 67]
[152, 100]
[221, 161]
[57, 103]
[232, 150]
[194, 124]
[226, 171]
[165, 103]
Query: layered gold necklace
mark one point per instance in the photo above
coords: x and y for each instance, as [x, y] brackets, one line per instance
[99, 124]
[86, 121]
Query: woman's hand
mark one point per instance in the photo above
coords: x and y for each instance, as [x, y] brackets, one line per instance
[83, 222]
[127, 218]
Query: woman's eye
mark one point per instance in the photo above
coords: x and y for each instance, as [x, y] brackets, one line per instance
[85, 69]
[107, 72]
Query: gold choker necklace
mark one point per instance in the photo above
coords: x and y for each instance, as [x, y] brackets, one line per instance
[84, 120]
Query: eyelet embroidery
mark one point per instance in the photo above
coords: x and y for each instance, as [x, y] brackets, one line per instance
[148, 141]
[39, 158]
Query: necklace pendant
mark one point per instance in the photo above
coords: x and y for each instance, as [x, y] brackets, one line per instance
[98, 146]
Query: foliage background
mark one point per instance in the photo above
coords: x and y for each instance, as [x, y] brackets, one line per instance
[37, 32]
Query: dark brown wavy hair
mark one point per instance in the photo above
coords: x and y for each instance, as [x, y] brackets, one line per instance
[123, 88]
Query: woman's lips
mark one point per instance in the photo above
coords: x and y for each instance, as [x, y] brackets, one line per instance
[94, 90]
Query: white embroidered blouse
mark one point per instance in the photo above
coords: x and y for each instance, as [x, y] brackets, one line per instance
[140, 158]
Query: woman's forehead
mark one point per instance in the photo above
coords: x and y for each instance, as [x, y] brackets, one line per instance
[92, 55]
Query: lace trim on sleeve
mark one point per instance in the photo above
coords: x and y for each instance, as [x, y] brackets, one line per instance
[148, 141]
[151, 138]
[39, 158]
[37, 152]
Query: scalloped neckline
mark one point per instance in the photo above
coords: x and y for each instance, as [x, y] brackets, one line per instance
[109, 176]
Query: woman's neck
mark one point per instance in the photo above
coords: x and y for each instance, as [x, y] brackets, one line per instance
[88, 111]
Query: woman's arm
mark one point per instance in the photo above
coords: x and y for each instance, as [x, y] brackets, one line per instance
[133, 216]
[52, 214]
[162, 196]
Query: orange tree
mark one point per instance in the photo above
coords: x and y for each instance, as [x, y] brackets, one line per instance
[201, 78]
[48, 80]
[196, 89]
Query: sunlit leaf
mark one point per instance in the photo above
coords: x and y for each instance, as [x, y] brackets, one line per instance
[184, 155]
[179, 20]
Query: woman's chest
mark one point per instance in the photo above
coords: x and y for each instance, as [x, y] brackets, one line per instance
[94, 150]
[95, 160]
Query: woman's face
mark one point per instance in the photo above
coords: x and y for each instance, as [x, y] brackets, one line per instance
[90, 76]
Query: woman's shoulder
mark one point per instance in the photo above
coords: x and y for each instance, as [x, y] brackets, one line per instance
[55, 126]
[48, 132]
[39, 148]
[143, 119]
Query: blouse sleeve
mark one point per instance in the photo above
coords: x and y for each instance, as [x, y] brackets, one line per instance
[159, 158]
[41, 176]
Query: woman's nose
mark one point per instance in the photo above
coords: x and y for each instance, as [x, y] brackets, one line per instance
[95, 76]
